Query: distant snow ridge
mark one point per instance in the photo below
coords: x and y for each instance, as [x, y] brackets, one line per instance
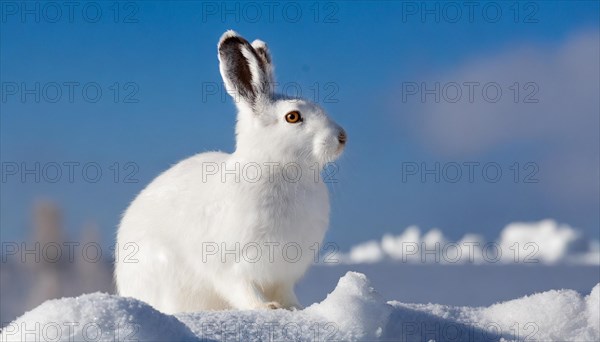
[352, 312]
[543, 242]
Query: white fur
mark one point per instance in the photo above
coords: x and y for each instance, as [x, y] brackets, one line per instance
[166, 238]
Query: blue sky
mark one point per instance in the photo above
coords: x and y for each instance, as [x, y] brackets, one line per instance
[361, 58]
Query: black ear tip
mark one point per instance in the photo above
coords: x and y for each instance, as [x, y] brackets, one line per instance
[229, 38]
[229, 34]
[258, 44]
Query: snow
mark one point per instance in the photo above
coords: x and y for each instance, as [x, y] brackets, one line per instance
[352, 311]
[92, 317]
[562, 315]
[545, 242]
[354, 295]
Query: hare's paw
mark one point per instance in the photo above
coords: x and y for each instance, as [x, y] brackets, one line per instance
[277, 305]
[273, 306]
[295, 307]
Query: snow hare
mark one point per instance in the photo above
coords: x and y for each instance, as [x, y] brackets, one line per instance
[235, 231]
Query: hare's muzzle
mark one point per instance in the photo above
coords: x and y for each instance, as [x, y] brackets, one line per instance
[342, 137]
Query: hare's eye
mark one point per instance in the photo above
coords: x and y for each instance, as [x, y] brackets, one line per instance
[293, 117]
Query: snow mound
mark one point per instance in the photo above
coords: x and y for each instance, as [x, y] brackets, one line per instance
[353, 294]
[95, 317]
[562, 315]
[354, 311]
[544, 242]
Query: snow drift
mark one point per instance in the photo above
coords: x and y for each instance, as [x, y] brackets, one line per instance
[544, 242]
[353, 311]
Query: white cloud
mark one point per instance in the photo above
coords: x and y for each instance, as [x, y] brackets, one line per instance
[560, 133]
[525, 243]
[549, 241]
[566, 115]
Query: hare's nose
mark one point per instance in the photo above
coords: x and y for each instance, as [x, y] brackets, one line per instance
[342, 137]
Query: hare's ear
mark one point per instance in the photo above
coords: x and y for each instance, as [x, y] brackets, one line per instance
[263, 52]
[244, 71]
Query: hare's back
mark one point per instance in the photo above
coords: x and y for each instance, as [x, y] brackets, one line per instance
[180, 190]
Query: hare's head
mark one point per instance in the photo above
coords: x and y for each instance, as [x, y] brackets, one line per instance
[272, 126]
